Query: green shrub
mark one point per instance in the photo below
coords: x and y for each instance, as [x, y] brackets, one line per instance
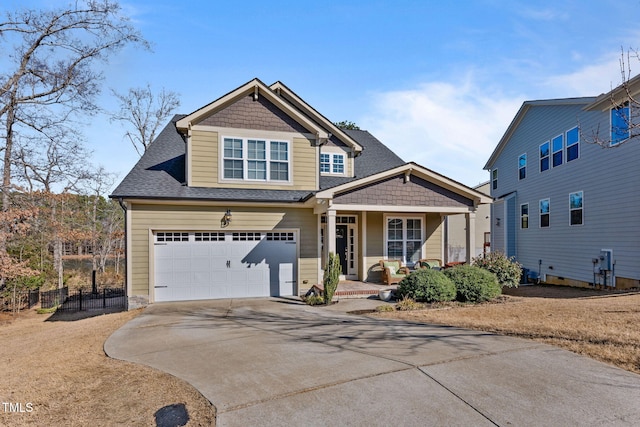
[507, 270]
[474, 284]
[332, 273]
[314, 300]
[408, 304]
[428, 286]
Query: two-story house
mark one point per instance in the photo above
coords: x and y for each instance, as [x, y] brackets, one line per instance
[566, 189]
[246, 196]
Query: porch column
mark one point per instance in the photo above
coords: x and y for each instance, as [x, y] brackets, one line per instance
[330, 241]
[470, 219]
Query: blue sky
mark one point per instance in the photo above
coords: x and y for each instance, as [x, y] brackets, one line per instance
[436, 81]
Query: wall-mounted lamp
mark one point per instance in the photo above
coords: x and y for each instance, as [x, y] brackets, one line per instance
[226, 219]
[497, 222]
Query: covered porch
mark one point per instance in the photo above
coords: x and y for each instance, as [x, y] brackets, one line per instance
[395, 215]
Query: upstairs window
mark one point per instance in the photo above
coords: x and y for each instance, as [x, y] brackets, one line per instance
[332, 163]
[557, 144]
[573, 140]
[522, 166]
[544, 156]
[575, 207]
[494, 179]
[545, 208]
[620, 123]
[255, 159]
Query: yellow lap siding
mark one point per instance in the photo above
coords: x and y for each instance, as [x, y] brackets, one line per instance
[146, 218]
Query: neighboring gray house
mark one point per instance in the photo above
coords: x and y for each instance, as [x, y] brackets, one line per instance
[567, 208]
[455, 232]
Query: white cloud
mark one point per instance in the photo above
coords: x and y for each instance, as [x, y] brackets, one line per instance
[598, 77]
[451, 128]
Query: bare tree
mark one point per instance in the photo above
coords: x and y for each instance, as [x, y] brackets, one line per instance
[48, 75]
[624, 103]
[144, 113]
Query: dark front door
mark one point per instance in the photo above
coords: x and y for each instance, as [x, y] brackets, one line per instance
[341, 246]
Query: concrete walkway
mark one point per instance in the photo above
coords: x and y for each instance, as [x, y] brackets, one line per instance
[274, 362]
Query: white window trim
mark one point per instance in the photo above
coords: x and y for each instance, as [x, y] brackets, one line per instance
[566, 144]
[525, 166]
[494, 172]
[332, 163]
[245, 159]
[561, 151]
[404, 218]
[611, 142]
[548, 156]
[528, 216]
[582, 209]
[540, 213]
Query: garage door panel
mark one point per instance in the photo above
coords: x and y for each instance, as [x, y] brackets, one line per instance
[205, 265]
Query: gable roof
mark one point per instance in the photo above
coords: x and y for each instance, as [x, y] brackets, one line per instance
[257, 88]
[286, 93]
[410, 168]
[616, 96]
[526, 106]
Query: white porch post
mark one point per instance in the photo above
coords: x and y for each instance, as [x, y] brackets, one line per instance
[330, 242]
[470, 219]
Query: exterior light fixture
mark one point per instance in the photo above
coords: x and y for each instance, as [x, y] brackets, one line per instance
[226, 219]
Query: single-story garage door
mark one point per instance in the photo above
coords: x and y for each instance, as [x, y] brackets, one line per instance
[209, 265]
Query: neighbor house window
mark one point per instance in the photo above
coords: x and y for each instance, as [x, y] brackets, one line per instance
[522, 166]
[494, 179]
[255, 159]
[404, 239]
[545, 206]
[557, 144]
[575, 207]
[620, 123]
[524, 215]
[332, 163]
[573, 147]
[544, 156]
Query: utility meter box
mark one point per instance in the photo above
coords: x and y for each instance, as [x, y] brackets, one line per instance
[606, 259]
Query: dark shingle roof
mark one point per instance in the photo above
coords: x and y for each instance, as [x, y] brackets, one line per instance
[160, 173]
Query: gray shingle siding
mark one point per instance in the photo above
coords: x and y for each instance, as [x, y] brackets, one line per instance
[608, 178]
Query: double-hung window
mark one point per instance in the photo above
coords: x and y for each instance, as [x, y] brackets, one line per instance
[522, 166]
[557, 144]
[255, 159]
[332, 163]
[620, 117]
[575, 207]
[524, 215]
[545, 208]
[404, 239]
[573, 146]
[544, 156]
[494, 179]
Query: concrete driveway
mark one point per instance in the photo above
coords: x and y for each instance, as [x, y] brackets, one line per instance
[274, 362]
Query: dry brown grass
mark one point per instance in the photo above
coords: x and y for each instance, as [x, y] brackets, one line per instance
[599, 324]
[61, 369]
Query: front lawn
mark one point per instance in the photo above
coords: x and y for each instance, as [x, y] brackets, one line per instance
[599, 324]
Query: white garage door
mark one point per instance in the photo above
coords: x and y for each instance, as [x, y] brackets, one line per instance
[209, 265]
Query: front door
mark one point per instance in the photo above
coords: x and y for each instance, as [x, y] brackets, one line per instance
[342, 246]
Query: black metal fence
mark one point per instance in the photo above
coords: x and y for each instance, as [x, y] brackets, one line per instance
[19, 301]
[84, 300]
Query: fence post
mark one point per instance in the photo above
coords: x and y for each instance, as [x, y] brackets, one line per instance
[104, 298]
[80, 309]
